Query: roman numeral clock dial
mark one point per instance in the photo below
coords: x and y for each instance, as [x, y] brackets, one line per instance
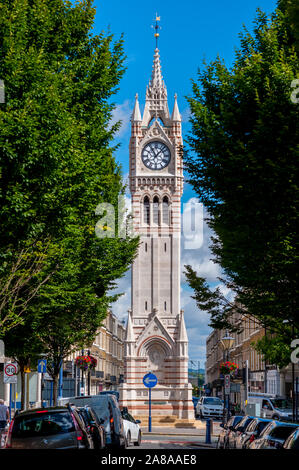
[156, 156]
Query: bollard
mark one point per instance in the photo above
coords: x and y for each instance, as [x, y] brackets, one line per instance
[208, 431]
[212, 427]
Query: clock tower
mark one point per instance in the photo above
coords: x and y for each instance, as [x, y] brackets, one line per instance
[156, 338]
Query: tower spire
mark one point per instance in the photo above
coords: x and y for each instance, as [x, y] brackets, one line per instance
[156, 81]
[156, 93]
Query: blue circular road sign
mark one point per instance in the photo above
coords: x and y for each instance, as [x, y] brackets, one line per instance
[150, 380]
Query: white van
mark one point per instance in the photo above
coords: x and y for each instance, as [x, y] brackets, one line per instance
[272, 406]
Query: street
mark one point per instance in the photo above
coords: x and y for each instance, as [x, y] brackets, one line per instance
[174, 442]
[179, 438]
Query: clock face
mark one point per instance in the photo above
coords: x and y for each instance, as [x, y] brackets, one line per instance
[156, 155]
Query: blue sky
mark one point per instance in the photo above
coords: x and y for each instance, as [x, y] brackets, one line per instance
[192, 31]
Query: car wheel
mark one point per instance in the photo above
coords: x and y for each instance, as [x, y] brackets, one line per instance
[138, 443]
[201, 415]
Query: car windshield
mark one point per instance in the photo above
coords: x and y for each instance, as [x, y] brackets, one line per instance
[212, 401]
[261, 426]
[244, 423]
[43, 424]
[281, 403]
[237, 420]
[252, 426]
[102, 410]
[267, 429]
[84, 415]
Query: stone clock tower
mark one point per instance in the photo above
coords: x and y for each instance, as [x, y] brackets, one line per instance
[156, 338]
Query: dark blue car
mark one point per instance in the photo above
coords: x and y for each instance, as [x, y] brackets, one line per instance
[195, 400]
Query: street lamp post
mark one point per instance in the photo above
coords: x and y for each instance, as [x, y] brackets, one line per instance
[82, 379]
[226, 343]
[293, 376]
[88, 377]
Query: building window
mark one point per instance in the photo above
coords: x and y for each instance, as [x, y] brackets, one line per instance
[165, 247]
[165, 206]
[145, 246]
[156, 210]
[146, 210]
[165, 305]
[145, 306]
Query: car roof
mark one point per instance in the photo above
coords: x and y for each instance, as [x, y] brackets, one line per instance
[47, 408]
[263, 419]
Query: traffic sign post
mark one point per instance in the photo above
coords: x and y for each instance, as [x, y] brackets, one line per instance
[10, 377]
[42, 369]
[10, 373]
[150, 381]
[227, 393]
[42, 366]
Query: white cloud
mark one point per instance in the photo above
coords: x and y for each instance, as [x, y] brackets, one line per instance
[199, 259]
[121, 306]
[186, 114]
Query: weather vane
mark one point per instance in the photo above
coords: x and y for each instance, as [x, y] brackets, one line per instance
[157, 27]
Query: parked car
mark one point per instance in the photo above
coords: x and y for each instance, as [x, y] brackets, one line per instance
[274, 435]
[195, 401]
[292, 442]
[226, 430]
[209, 407]
[111, 392]
[252, 432]
[59, 427]
[238, 431]
[272, 407]
[106, 407]
[132, 429]
[94, 426]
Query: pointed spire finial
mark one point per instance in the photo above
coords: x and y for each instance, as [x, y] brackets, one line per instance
[130, 337]
[175, 113]
[182, 336]
[136, 116]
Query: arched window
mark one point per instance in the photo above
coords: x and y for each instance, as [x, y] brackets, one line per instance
[158, 119]
[165, 206]
[146, 210]
[156, 210]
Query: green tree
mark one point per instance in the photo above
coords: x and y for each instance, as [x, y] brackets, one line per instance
[244, 169]
[56, 166]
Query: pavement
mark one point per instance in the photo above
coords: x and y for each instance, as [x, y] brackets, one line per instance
[168, 430]
[180, 437]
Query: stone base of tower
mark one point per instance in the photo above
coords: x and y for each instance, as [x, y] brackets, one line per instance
[167, 403]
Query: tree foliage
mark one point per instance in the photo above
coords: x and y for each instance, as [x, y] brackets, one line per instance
[57, 165]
